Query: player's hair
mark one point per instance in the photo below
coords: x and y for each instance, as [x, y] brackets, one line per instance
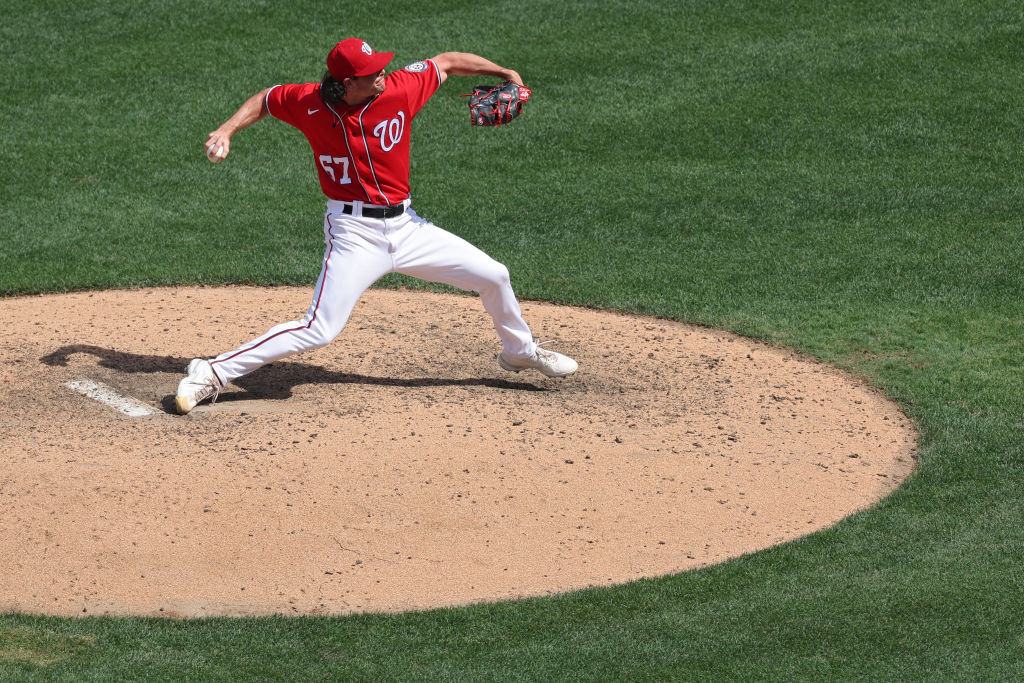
[331, 91]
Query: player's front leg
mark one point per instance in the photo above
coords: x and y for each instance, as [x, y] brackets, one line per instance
[437, 255]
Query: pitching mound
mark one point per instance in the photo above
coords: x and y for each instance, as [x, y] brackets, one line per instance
[400, 468]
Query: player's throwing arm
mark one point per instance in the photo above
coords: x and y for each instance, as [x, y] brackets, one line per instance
[218, 143]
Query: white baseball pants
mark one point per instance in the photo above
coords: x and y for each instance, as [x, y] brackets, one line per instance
[359, 251]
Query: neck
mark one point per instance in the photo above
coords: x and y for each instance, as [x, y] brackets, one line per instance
[356, 101]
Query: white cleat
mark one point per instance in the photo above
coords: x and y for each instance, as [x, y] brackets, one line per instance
[550, 363]
[199, 385]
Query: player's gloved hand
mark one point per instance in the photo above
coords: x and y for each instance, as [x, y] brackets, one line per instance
[218, 145]
[494, 105]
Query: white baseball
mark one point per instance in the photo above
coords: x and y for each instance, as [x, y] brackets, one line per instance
[215, 154]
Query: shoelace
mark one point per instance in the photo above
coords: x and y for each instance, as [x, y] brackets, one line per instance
[215, 386]
[547, 351]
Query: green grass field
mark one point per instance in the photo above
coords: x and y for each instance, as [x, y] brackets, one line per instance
[845, 179]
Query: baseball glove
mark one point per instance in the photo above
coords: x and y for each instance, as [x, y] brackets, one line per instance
[493, 105]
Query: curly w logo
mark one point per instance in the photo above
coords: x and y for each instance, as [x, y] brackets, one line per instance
[390, 132]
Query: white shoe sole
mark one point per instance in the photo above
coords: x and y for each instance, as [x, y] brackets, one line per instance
[513, 368]
[505, 366]
[182, 404]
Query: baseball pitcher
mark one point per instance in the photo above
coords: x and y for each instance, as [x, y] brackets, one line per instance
[358, 123]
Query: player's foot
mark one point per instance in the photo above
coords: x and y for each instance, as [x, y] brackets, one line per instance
[550, 363]
[199, 385]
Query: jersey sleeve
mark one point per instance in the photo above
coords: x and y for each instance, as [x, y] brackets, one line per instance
[419, 80]
[283, 102]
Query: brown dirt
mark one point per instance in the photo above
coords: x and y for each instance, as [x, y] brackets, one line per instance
[399, 468]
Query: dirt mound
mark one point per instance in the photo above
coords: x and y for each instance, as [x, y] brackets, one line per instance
[400, 468]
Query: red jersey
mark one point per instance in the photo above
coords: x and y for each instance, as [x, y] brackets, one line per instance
[362, 152]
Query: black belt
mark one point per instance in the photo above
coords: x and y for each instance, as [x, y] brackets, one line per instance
[389, 211]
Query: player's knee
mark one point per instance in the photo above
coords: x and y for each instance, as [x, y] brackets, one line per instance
[497, 275]
[322, 333]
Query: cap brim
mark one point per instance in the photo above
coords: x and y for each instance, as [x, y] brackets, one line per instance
[376, 63]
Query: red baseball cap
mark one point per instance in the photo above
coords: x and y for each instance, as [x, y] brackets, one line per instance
[354, 57]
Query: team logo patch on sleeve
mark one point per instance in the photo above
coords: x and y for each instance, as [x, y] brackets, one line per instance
[416, 67]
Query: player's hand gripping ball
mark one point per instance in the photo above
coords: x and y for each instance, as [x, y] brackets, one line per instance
[216, 153]
[494, 105]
